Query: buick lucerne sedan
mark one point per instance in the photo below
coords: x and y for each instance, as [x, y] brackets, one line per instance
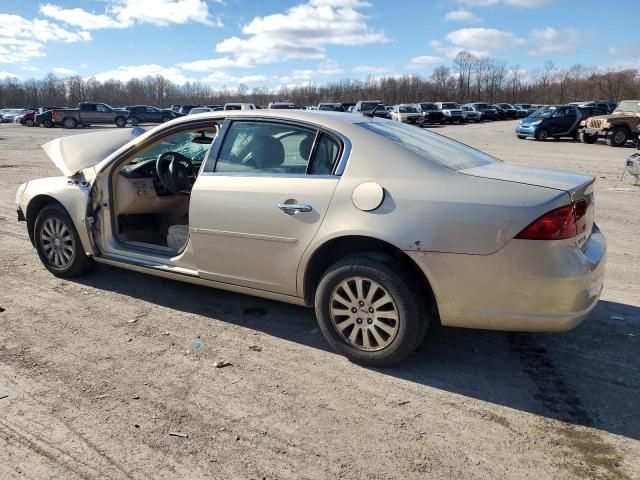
[380, 226]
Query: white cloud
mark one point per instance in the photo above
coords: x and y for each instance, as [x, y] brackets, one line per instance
[461, 15]
[513, 3]
[5, 75]
[225, 78]
[208, 65]
[370, 70]
[22, 39]
[629, 50]
[126, 13]
[481, 42]
[302, 32]
[552, 41]
[64, 71]
[125, 73]
[423, 61]
[325, 69]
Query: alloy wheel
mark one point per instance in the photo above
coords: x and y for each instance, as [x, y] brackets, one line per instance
[57, 243]
[364, 313]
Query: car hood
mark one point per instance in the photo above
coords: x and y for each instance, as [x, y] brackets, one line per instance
[554, 179]
[529, 120]
[75, 153]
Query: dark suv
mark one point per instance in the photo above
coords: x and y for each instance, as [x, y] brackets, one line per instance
[147, 114]
[485, 109]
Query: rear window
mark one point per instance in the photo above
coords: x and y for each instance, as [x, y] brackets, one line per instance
[433, 147]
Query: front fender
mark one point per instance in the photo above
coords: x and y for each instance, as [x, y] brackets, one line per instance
[72, 194]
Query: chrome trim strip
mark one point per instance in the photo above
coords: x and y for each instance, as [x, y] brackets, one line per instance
[251, 236]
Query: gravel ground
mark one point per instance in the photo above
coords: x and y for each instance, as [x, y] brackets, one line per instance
[112, 375]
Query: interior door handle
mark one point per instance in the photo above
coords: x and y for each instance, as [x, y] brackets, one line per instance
[294, 208]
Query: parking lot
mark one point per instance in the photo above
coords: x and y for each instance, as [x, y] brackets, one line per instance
[112, 375]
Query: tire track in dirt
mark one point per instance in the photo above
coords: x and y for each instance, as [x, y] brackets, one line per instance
[559, 400]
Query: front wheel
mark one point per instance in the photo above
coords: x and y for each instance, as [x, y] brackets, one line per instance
[29, 123]
[618, 137]
[47, 124]
[369, 312]
[542, 135]
[165, 119]
[135, 122]
[522, 137]
[588, 139]
[58, 243]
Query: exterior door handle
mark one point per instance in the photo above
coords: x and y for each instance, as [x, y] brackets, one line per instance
[294, 208]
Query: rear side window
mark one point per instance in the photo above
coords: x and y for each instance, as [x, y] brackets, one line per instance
[430, 146]
[325, 156]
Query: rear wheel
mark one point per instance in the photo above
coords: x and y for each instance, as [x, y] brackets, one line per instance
[542, 135]
[121, 122]
[29, 123]
[58, 243]
[618, 137]
[134, 121]
[165, 119]
[70, 123]
[47, 123]
[586, 138]
[369, 312]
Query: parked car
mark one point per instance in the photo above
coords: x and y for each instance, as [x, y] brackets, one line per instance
[407, 113]
[28, 119]
[522, 113]
[89, 113]
[9, 114]
[330, 107]
[147, 114]
[431, 113]
[527, 107]
[553, 121]
[486, 111]
[508, 111]
[185, 109]
[617, 128]
[470, 115]
[238, 106]
[329, 227]
[20, 119]
[451, 111]
[282, 106]
[43, 117]
[218, 108]
[366, 107]
[608, 105]
[196, 110]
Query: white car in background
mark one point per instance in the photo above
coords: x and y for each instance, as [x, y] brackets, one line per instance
[406, 113]
[452, 112]
[470, 115]
[239, 106]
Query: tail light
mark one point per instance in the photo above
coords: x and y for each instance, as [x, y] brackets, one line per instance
[559, 224]
[54, 114]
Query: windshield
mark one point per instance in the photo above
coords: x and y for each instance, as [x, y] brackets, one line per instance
[631, 106]
[331, 107]
[429, 106]
[524, 105]
[505, 105]
[430, 146]
[482, 105]
[545, 112]
[449, 106]
[368, 106]
[408, 109]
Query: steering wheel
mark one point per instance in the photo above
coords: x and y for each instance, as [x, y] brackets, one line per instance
[175, 172]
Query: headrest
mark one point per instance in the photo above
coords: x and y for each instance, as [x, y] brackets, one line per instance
[267, 152]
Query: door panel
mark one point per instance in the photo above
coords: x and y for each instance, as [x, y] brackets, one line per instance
[241, 236]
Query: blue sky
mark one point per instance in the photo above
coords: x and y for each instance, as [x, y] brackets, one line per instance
[292, 42]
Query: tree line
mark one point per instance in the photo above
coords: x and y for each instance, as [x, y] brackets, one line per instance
[468, 78]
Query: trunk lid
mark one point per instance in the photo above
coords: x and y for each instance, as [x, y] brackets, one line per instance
[74, 153]
[578, 187]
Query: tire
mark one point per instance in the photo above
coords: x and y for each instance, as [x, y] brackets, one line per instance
[165, 119]
[29, 123]
[121, 122]
[542, 135]
[135, 122]
[70, 123]
[522, 137]
[47, 124]
[618, 137]
[396, 339]
[58, 244]
[588, 139]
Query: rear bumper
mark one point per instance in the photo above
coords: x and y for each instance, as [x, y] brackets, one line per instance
[531, 286]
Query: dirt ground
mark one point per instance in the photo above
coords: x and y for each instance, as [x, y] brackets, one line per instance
[98, 372]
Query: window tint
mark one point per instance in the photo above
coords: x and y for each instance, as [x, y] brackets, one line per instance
[432, 147]
[325, 156]
[102, 108]
[151, 109]
[262, 148]
[88, 107]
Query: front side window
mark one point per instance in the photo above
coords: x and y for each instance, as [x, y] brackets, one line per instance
[102, 108]
[263, 148]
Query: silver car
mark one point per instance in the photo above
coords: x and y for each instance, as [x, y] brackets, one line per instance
[380, 226]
